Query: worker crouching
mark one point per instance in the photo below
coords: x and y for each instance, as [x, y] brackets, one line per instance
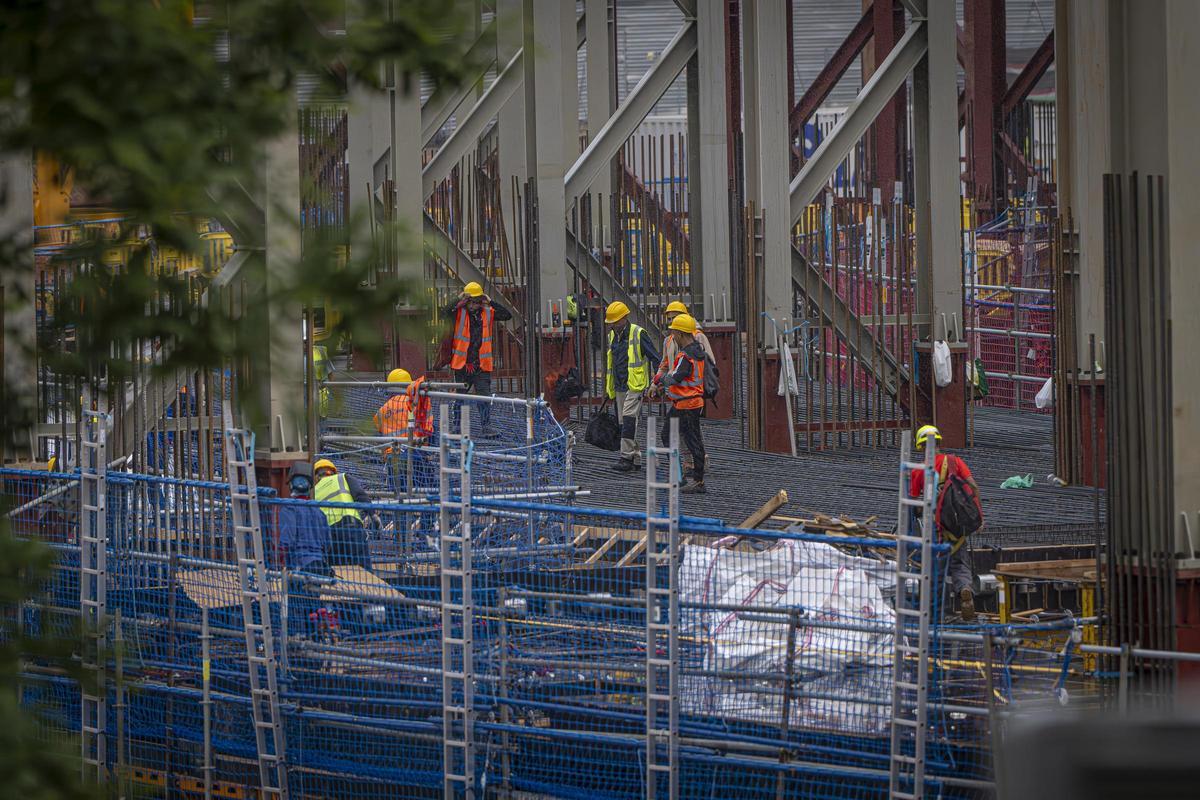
[684, 386]
[347, 529]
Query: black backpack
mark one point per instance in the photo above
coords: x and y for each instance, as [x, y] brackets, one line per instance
[568, 386]
[958, 511]
[603, 430]
[712, 379]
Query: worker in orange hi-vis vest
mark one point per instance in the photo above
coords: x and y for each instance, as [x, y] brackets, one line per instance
[475, 316]
[408, 416]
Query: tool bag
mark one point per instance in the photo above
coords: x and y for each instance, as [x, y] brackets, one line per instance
[603, 430]
[568, 386]
[958, 511]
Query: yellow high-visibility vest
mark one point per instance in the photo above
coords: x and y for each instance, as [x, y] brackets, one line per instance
[335, 489]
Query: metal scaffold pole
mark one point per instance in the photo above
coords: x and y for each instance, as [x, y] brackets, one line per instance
[458, 609]
[93, 594]
[914, 612]
[256, 614]
[662, 613]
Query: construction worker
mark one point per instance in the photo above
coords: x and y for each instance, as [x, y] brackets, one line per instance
[630, 354]
[673, 310]
[684, 385]
[304, 545]
[322, 368]
[395, 418]
[475, 315]
[347, 532]
[304, 530]
[671, 350]
[959, 567]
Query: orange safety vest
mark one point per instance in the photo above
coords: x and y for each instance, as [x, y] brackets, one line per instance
[392, 417]
[462, 338]
[688, 393]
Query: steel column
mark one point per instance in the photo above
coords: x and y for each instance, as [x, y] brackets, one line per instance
[764, 42]
[1084, 151]
[889, 132]
[936, 167]
[987, 80]
[708, 173]
[599, 23]
[551, 90]
[283, 368]
[1183, 120]
[511, 151]
[17, 300]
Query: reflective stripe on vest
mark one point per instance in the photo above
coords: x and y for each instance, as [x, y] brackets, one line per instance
[335, 489]
[462, 338]
[637, 373]
[688, 393]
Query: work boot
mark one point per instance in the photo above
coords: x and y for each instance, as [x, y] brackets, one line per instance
[695, 487]
[967, 604]
[624, 465]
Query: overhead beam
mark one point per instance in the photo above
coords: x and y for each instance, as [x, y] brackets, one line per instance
[1041, 60]
[441, 104]
[472, 126]
[621, 125]
[833, 71]
[889, 77]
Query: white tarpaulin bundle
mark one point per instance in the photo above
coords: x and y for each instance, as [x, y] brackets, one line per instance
[844, 675]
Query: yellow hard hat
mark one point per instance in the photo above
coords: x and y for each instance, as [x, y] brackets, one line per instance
[684, 323]
[399, 376]
[675, 307]
[473, 289]
[924, 432]
[324, 463]
[616, 312]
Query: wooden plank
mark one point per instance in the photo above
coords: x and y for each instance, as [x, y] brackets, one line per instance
[634, 552]
[765, 511]
[604, 548]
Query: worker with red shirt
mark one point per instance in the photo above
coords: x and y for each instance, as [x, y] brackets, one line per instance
[959, 566]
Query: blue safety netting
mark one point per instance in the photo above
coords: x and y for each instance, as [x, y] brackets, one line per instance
[786, 648]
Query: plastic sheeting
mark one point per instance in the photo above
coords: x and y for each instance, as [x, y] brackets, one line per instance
[843, 676]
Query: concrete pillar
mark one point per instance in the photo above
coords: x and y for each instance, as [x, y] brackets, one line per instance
[1081, 42]
[708, 173]
[369, 136]
[765, 37]
[281, 371]
[555, 142]
[600, 25]
[19, 395]
[1182, 121]
[936, 150]
[509, 39]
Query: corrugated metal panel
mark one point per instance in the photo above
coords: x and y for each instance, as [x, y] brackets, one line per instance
[818, 28]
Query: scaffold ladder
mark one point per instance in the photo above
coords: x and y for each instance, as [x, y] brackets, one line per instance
[93, 594]
[256, 613]
[458, 607]
[914, 610]
[662, 614]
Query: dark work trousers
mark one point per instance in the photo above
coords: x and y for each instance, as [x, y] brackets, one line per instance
[304, 599]
[348, 544]
[689, 435]
[477, 382]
